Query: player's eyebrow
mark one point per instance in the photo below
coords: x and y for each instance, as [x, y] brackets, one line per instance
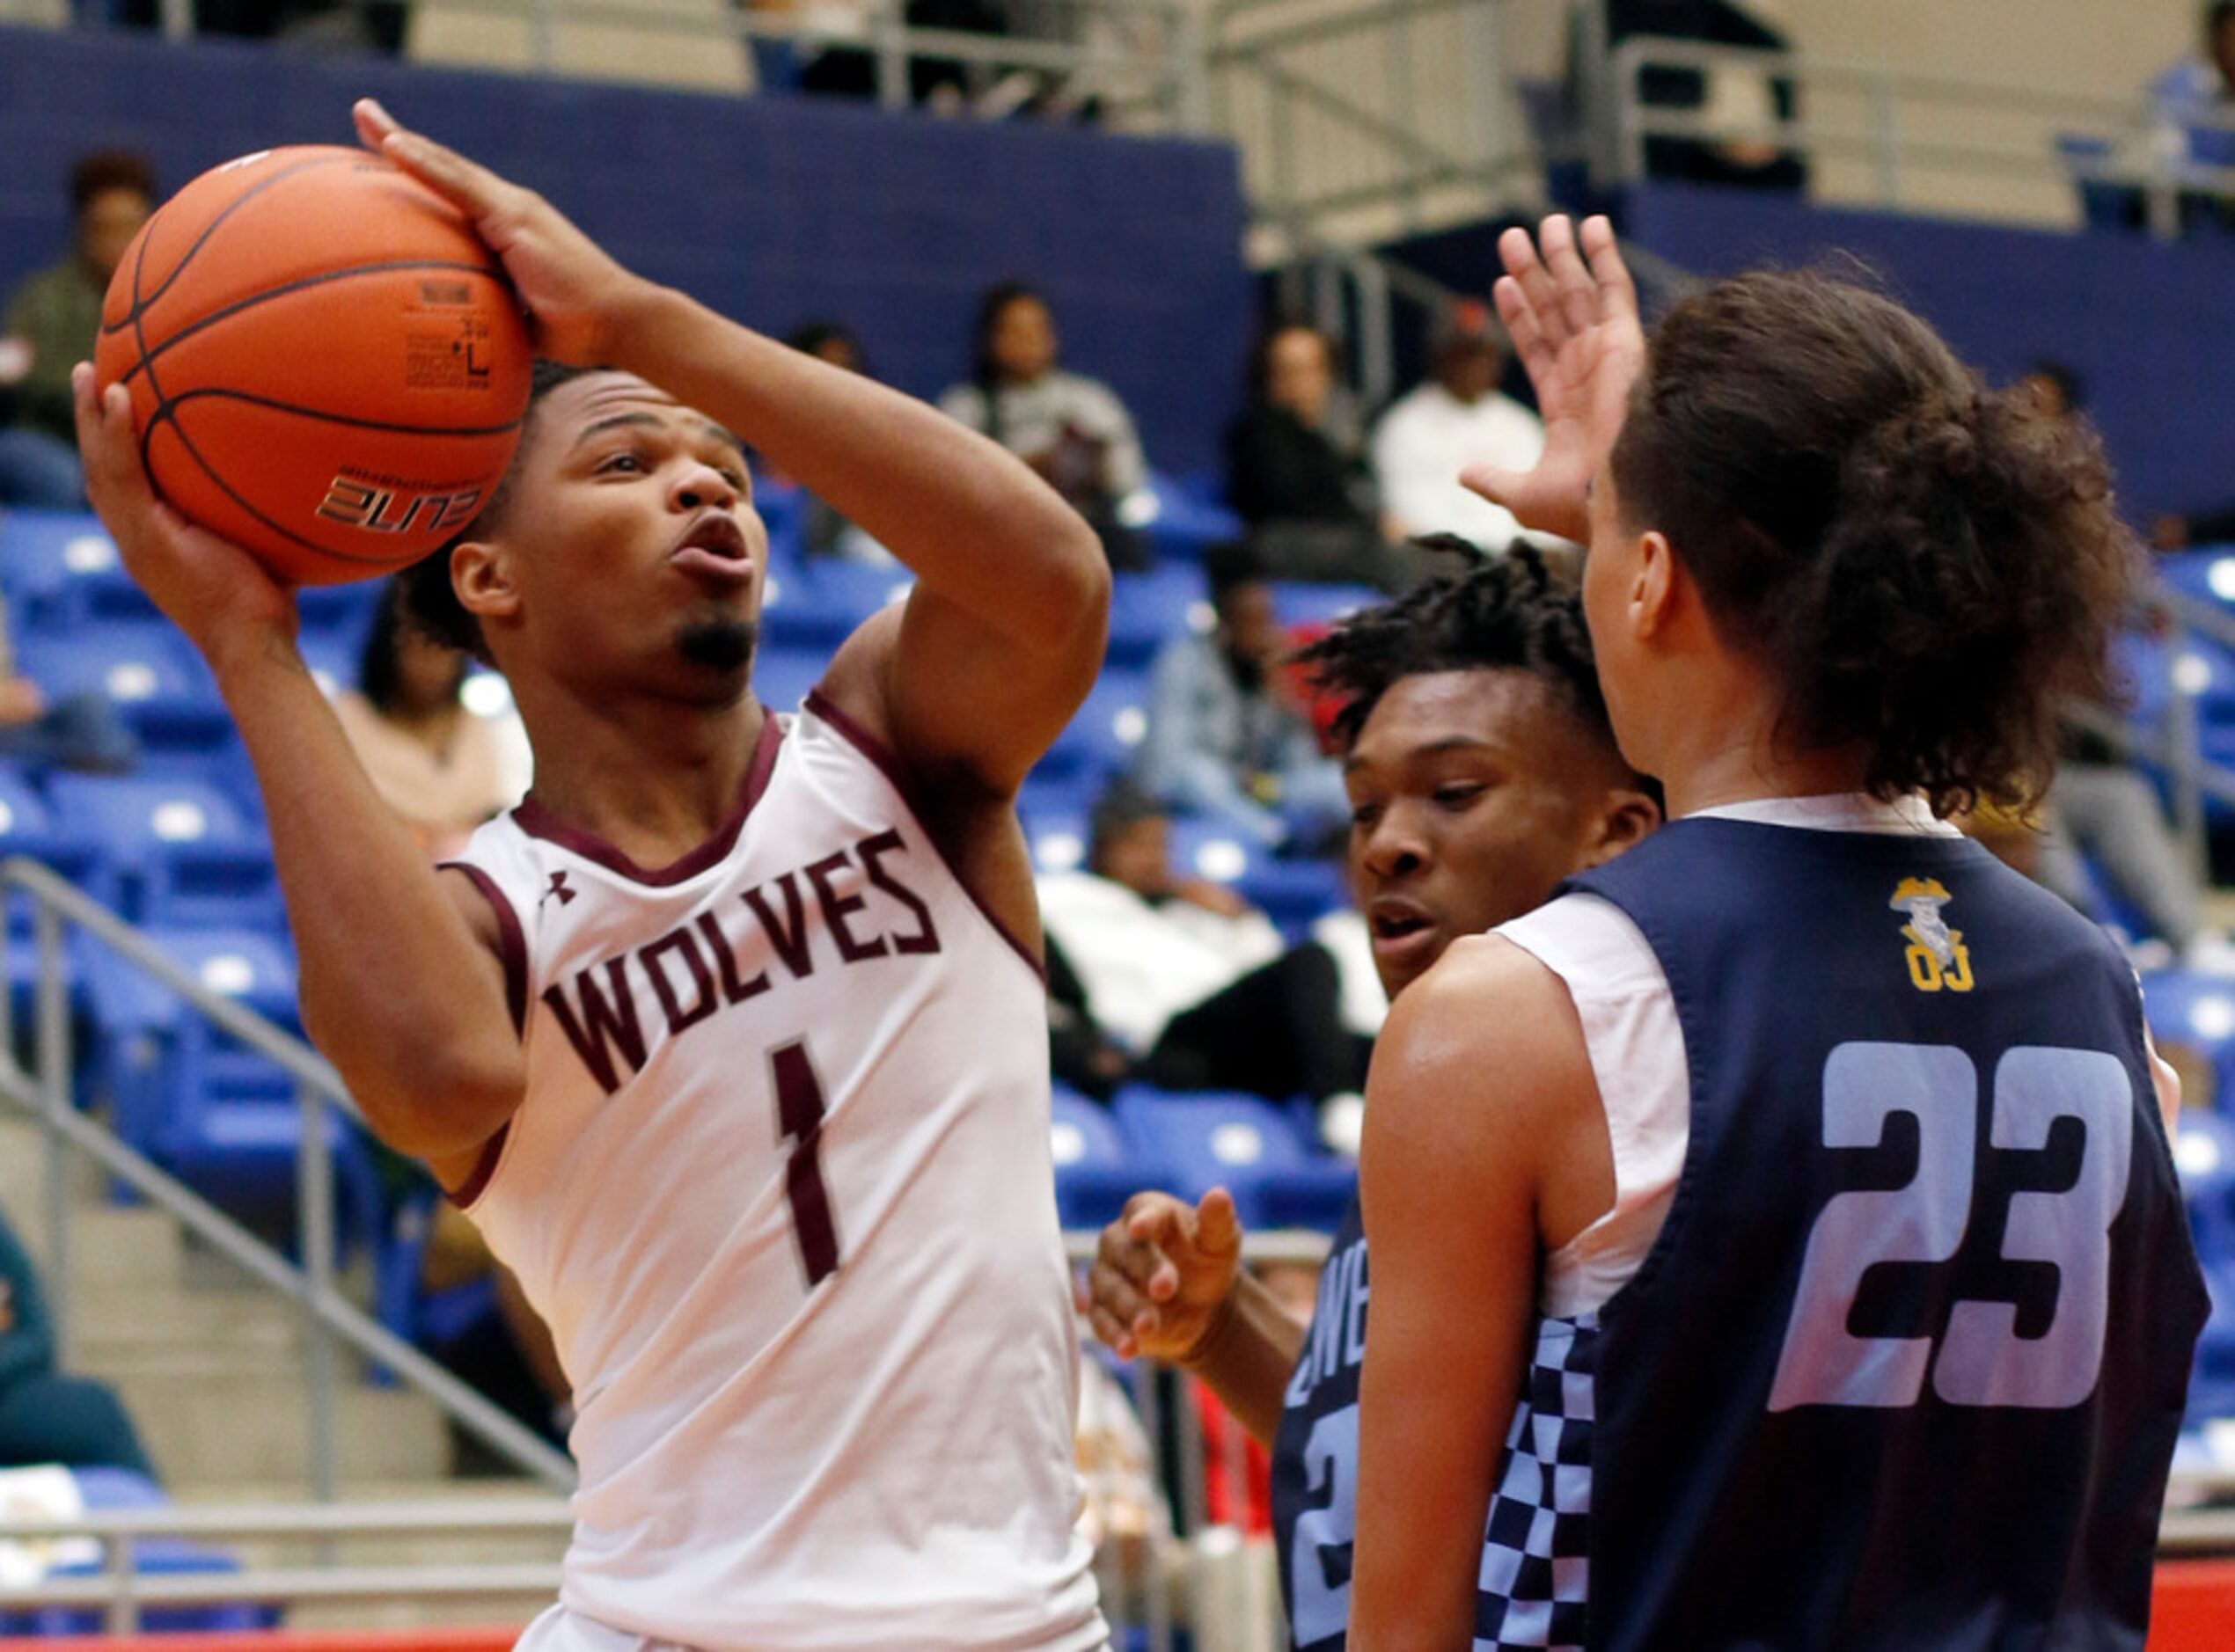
[1434, 749]
[613, 421]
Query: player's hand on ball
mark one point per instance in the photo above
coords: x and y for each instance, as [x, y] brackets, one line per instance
[1573, 313]
[573, 290]
[213, 591]
[1163, 1274]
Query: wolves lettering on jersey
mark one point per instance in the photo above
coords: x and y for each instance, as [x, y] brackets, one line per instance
[1314, 1458]
[701, 967]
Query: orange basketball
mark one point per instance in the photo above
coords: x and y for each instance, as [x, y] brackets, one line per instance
[327, 366]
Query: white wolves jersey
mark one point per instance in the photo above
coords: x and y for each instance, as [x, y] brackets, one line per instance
[780, 1186]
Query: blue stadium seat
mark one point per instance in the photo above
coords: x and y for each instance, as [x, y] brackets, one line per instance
[1057, 837]
[1147, 611]
[2198, 1011]
[1191, 518]
[1103, 736]
[2204, 1150]
[46, 559]
[217, 1114]
[147, 670]
[1095, 1173]
[172, 851]
[426, 1319]
[1296, 603]
[819, 604]
[1293, 893]
[1242, 1143]
[781, 676]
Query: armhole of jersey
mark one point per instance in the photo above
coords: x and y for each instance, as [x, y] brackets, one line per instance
[888, 763]
[1636, 1044]
[512, 948]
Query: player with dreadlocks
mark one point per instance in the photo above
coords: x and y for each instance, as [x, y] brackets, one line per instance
[1482, 772]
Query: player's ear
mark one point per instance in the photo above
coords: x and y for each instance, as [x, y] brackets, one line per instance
[1625, 818]
[480, 573]
[1653, 591]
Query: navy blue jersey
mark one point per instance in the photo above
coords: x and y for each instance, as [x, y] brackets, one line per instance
[1315, 1454]
[1906, 1365]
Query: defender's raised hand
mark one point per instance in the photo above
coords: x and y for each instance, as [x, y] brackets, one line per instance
[1163, 1274]
[575, 291]
[1573, 313]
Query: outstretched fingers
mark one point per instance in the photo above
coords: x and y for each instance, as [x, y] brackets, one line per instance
[476, 189]
[1617, 293]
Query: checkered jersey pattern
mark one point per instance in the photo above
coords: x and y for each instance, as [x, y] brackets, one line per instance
[1534, 1589]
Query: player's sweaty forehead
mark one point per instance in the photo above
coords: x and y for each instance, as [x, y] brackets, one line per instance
[583, 409]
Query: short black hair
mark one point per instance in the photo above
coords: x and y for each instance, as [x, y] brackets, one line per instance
[996, 299]
[104, 169]
[810, 338]
[2221, 13]
[1511, 613]
[425, 598]
[1124, 804]
[379, 671]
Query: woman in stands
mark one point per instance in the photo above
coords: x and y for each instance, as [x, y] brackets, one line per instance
[1775, 1241]
[1070, 428]
[441, 768]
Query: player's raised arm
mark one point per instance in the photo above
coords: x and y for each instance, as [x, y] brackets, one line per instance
[1004, 634]
[397, 988]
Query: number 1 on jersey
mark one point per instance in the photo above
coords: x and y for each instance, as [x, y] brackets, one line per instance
[799, 1113]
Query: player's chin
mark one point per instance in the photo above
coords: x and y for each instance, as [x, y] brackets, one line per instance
[716, 644]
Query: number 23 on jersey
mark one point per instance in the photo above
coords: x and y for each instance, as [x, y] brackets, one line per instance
[1980, 1360]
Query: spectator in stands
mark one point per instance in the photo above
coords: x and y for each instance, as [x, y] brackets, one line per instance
[80, 731]
[440, 767]
[52, 321]
[1225, 738]
[1296, 468]
[1457, 418]
[46, 1417]
[822, 531]
[2102, 808]
[1070, 428]
[1178, 981]
[1730, 98]
[2194, 100]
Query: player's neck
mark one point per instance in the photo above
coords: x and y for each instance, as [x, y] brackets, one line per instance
[1745, 760]
[651, 778]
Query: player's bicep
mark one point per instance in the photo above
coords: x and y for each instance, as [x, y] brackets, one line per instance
[963, 696]
[1450, 1175]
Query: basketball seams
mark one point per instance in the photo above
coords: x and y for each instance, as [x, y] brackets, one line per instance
[223, 392]
[246, 195]
[298, 284]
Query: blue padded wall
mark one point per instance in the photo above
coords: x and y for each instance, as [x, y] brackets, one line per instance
[2144, 324]
[776, 210]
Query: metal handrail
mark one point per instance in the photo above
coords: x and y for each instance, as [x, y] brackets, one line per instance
[327, 1313]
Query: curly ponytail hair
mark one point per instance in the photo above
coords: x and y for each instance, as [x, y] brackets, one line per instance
[1927, 566]
[1511, 613]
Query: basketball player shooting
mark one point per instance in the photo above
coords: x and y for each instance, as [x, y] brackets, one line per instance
[731, 1038]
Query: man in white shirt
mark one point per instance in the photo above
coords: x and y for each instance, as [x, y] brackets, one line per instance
[1456, 419]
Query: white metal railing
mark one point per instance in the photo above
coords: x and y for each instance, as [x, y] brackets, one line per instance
[1891, 125]
[328, 1317]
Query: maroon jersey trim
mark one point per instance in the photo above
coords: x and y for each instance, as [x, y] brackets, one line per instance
[512, 948]
[512, 945]
[538, 821]
[889, 762]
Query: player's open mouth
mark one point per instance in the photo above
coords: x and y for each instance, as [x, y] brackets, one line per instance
[1395, 923]
[714, 547]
